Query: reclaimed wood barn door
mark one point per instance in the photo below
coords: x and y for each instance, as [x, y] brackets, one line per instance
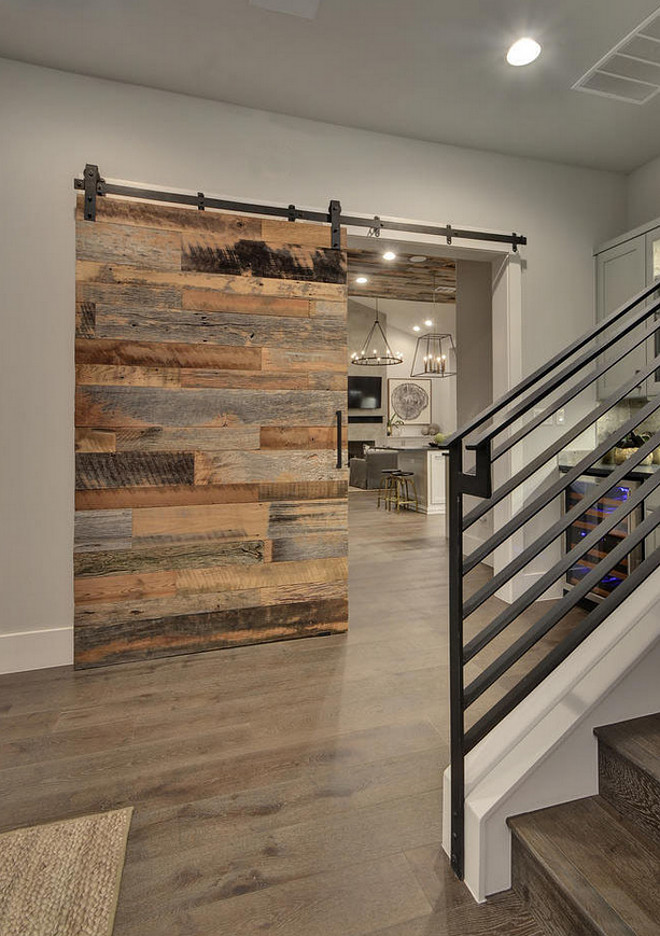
[210, 364]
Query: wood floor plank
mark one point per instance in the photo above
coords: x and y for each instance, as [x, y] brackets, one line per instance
[269, 745]
[454, 910]
[352, 901]
[263, 858]
[176, 771]
[156, 831]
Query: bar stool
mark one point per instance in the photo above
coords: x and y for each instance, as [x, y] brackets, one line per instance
[403, 481]
[387, 487]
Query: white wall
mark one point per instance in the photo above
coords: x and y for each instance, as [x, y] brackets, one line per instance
[474, 338]
[401, 339]
[443, 390]
[53, 123]
[643, 195]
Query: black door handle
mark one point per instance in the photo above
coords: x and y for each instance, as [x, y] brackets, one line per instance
[338, 438]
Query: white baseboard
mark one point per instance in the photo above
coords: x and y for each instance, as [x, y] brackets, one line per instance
[40, 649]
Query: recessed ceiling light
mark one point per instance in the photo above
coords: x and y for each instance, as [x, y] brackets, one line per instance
[523, 52]
[428, 323]
[418, 258]
[415, 327]
[389, 255]
[361, 280]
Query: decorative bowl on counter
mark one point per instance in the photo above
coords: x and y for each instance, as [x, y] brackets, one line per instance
[628, 446]
[623, 454]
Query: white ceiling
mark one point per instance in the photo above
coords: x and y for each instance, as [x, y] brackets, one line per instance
[428, 69]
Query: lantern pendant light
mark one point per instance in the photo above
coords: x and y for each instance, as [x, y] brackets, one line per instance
[435, 354]
[376, 350]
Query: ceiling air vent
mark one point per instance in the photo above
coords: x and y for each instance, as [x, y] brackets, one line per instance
[631, 70]
[305, 8]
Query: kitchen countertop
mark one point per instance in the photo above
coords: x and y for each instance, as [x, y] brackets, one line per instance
[414, 448]
[601, 469]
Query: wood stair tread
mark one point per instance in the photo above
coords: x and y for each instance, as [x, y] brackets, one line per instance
[602, 867]
[638, 740]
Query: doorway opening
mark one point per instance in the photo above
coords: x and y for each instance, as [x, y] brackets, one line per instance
[469, 294]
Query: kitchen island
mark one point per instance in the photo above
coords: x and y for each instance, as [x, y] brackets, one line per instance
[428, 464]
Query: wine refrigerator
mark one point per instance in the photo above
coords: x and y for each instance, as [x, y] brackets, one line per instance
[590, 519]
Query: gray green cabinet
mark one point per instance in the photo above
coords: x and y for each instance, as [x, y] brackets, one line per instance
[623, 268]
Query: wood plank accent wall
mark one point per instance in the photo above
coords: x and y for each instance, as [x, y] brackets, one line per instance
[401, 278]
[210, 362]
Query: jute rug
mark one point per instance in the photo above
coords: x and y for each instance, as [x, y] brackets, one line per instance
[62, 879]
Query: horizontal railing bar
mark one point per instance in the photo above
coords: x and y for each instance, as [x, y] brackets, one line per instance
[547, 496]
[543, 371]
[558, 654]
[539, 394]
[532, 467]
[513, 611]
[572, 392]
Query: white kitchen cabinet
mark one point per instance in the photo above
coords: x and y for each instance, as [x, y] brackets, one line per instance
[623, 268]
[620, 273]
[653, 274]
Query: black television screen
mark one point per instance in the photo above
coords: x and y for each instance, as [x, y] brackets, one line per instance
[364, 392]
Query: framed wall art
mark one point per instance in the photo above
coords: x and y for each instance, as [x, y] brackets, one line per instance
[409, 398]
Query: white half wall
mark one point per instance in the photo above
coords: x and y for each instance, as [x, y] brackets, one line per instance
[53, 123]
[545, 751]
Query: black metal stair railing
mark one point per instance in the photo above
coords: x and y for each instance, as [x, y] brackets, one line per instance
[490, 436]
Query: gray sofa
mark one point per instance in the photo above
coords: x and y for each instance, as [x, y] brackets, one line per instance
[366, 472]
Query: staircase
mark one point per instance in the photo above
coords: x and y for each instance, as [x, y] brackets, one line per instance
[552, 553]
[591, 867]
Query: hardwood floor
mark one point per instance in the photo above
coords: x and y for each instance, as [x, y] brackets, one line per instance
[291, 787]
